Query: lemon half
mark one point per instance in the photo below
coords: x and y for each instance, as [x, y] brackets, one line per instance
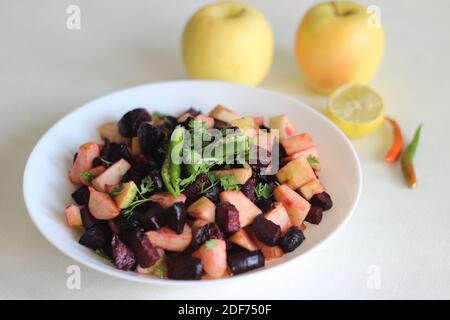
[357, 109]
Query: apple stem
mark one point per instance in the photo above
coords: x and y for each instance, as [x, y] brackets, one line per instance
[337, 12]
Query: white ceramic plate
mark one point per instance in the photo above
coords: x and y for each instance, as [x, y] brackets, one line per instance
[47, 189]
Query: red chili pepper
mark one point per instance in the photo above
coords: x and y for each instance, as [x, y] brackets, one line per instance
[407, 160]
[397, 145]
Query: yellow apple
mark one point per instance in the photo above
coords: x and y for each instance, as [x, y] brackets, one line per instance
[229, 41]
[339, 42]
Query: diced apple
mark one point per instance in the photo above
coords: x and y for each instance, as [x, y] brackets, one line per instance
[243, 239]
[124, 194]
[110, 131]
[214, 257]
[247, 209]
[101, 205]
[208, 277]
[246, 125]
[112, 175]
[310, 152]
[166, 200]
[223, 114]
[183, 117]
[296, 206]
[283, 125]
[95, 172]
[83, 161]
[209, 122]
[241, 174]
[279, 216]
[269, 253]
[73, 216]
[168, 239]
[135, 146]
[311, 188]
[203, 209]
[296, 173]
[297, 143]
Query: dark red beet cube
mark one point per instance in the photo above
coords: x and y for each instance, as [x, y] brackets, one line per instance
[184, 268]
[266, 231]
[152, 218]
[245, 261]
[314, 215]
[96, 237]
[122, 256]
[87, 218]
[176, 217]
[227, 217]
[292, 239]
[145, 252]
[322, 200]
[81, 196]
[204, 233]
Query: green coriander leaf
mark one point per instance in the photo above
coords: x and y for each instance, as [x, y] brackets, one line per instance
[88, 176]
[106, 163]
[159, 270]
[210, 244]
[264, 190]
[229, 182]
[313, 161]
[147, 185]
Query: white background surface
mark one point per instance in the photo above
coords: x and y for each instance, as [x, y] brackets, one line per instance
[47, 71]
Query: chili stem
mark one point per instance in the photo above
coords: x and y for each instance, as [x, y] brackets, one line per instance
[407, 160]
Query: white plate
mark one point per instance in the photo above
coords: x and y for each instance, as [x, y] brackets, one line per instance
[47, 189]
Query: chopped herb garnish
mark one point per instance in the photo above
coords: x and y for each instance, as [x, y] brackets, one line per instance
[313, 161]
[264, 190]
[210, 244]
[88, 176]
[147, 186]
[229, 182]
[160, 270]
[106, 163]
[159, 116]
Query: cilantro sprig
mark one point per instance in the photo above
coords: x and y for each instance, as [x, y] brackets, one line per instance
[146, 186]
[88, 176]
[313, 161]
[264, 190]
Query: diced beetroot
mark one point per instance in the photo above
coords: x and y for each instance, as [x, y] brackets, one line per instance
[214, 257]
[135, 146]
[159, 269]
[270, 253]
[73, 216]
[152, 218]
[81, 196]
[95, 172]
[184, 268]
[314, 215]
[245, 261]
[112, 175]
[292, 239]
[176, 217]
[146, 254]
[84, 159]
[96, 237]
[204, 232]
[311, 188]
[296, 206]
[101, 205]
[122, 256]
[279, 216]
[247, 209]
[203, 209]
[227, 217]
[323, 200]
[166, 200]
[88, 219]
[266, 231]
[242, 238]
[168, 239]
[198, 224]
